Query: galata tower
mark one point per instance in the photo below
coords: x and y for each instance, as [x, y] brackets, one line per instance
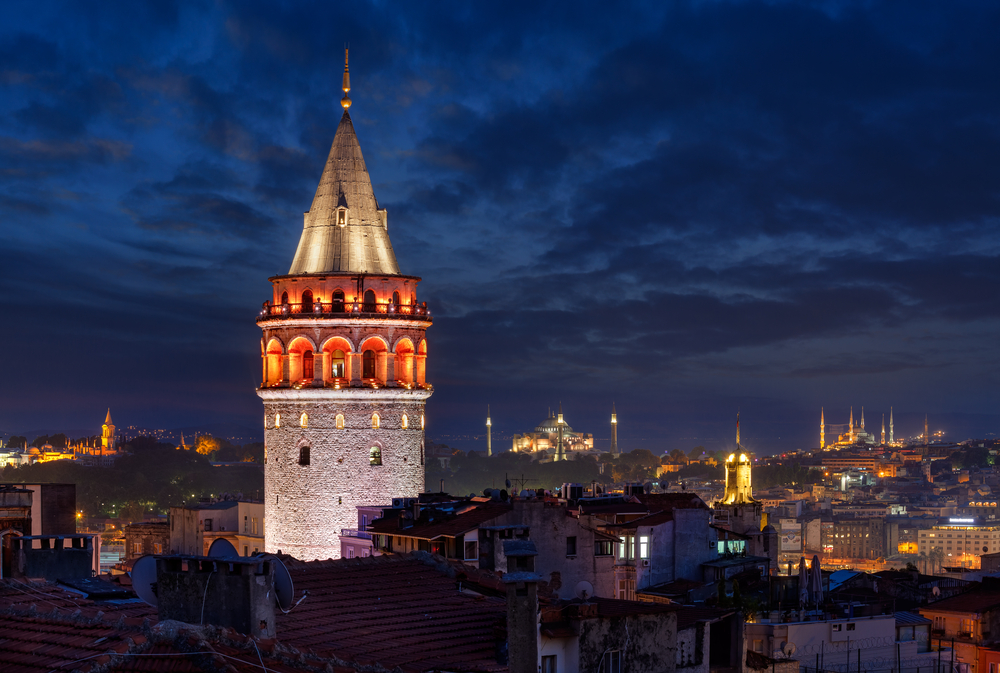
[343, 357]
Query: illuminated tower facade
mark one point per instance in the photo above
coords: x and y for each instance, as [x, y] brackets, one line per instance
[343, 358]
[489, 432]
[822, 430]
[614, 431]
[108, 434]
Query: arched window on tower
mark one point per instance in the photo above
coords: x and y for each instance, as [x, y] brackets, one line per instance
[421, 421]
[406, 421]
[370, 304]
[277, 420]
[340, 421]
[304, 420]
[308, 364]
[337, 364]
[303, 455]
[395, 300]
[368, 365]
[338, 301]
[376, 421]
[284, 297]
[375, 455]
[307, 302]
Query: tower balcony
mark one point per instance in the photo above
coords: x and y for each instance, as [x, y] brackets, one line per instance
[344, 384]
[345, 309]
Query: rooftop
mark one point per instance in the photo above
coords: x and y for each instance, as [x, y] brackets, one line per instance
[443, 524]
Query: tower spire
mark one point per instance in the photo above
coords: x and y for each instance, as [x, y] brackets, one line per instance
[737, 429]
[883, 428]
[891, 438]
[346, 86]
[862, 417]
[822, 430]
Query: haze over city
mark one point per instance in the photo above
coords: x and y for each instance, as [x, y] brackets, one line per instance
[682, 209]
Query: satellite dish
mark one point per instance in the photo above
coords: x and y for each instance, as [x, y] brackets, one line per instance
[222, 548]
[144, 578]
[936, 591]
[284, 590]
[584, 590]
[788, 648]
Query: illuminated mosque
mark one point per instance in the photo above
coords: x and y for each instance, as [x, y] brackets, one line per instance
[554, 439]
[856, 433]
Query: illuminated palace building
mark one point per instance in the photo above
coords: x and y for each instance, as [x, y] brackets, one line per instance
[553, 439]
[343, 359]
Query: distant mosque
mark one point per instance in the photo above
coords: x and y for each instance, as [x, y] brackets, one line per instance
[856, 432]
[553, 439]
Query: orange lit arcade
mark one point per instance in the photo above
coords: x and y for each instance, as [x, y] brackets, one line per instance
[342, 366]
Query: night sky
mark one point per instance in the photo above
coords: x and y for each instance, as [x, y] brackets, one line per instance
[684, 209]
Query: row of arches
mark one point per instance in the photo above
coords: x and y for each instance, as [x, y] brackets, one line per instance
[339, 423]
[338, 363]
[339, 302]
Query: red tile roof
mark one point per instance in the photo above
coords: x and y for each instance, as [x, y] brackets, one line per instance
[445, 526]
[978, 600]
[396, 611]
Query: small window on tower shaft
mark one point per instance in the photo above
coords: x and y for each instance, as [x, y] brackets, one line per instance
[376, 421]
[375, 456]
[406, 422]
[304, 420]
[277, 420]
[304, 455]
[340, 421]
[342, 217]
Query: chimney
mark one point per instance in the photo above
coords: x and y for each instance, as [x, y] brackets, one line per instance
[522, 606]
[237, 593]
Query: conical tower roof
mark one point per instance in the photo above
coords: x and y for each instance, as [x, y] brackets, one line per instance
[107, 419]
[359, 244]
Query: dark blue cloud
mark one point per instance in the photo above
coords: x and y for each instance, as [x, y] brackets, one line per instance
[685, 207]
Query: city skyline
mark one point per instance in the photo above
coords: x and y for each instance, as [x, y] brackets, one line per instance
[682, 211]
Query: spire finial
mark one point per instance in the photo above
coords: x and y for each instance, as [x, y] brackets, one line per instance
[346, 101]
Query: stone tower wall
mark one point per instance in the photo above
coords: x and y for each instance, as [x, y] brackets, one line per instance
[307, 506]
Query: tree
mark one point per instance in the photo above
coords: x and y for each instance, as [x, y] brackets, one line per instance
[207, 445]
[17, 442]
[132, 511]
[696, 452]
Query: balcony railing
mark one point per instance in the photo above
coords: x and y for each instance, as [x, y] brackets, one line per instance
[346, 309]
[354, 532]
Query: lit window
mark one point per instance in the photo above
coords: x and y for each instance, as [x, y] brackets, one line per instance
[304, 420]
[643, 546]
[375, 456]
[421, 421]
[376, 421]
[277, 420]
[340, 421]
[406, 422]
[337, 363]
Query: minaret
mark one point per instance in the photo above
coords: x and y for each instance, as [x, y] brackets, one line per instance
[822, 430]
[614, 431]
[891, 439]
[862, 417]
[850, 425]
[489, 433]
[343, 359]
[560, 450]
[883, 429]
[927, 436]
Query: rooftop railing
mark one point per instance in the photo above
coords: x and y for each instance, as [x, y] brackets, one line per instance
[346, 309]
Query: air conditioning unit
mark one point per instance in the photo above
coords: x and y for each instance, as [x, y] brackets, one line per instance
[645, 563]
[409, 502]
[398, 502]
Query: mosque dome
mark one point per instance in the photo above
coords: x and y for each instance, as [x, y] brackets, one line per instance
[33, 451]
[550, 425]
